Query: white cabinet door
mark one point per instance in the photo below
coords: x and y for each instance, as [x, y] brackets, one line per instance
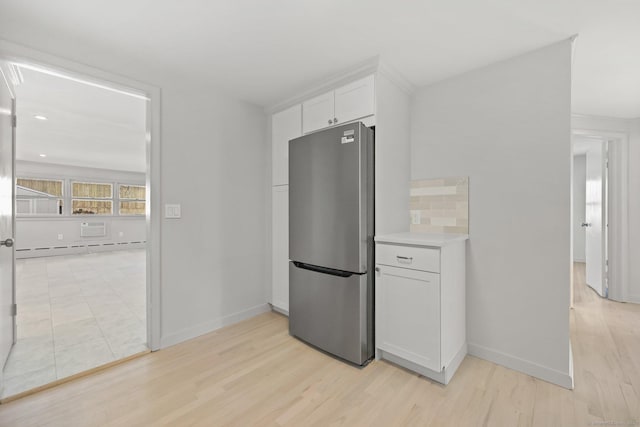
[317, 113]
[285, 126]
[355, 100]
[280, 246]
[408, 315]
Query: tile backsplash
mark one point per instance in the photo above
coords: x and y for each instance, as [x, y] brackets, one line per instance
[439, 205]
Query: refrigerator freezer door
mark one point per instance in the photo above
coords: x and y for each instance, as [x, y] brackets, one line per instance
[328, 209]
[332, 312]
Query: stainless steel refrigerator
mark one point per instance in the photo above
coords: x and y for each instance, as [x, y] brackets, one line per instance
[331, 225]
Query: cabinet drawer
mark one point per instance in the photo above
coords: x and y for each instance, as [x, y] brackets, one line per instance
[415, 258]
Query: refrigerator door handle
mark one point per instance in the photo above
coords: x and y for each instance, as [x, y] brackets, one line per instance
[323, 270]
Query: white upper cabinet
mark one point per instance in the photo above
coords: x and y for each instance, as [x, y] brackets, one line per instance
[318, 112]
[350, 102]
[355, 100]
[285, 126]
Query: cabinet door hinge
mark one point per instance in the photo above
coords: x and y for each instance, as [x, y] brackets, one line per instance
[14, 309]
[14, 121]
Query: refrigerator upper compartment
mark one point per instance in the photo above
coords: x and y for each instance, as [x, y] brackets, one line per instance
[328, 207]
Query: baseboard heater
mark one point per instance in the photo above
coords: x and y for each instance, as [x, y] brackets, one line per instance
[86, 247]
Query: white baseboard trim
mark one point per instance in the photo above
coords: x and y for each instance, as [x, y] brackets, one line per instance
[633, 298]
[571, 365]
[206, 327]
[280, 310]
[508, 361]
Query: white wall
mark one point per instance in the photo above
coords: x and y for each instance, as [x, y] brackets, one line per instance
[46, 170]
[579, 194]
[214, 155]
[630, 128]
[507, 127]
[214, 164]
[42, 232]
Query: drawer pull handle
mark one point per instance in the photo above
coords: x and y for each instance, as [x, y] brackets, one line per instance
[404, 259]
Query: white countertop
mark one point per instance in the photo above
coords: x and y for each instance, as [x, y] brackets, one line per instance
[421, 239]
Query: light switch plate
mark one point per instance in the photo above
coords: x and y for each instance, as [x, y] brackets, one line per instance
[172, 211]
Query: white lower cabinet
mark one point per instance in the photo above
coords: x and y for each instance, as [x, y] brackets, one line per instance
[409, 314]
[280, 248]
[420, 307]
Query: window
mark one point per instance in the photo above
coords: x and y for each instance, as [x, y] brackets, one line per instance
[132, 199]
[38, 196]
[90, 198]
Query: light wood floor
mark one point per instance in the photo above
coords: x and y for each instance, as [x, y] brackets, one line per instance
[253, 373]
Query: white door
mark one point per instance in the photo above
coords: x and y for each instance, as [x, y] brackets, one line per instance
[317, 113]
[7, 111]
[280, 248]
[595, 218]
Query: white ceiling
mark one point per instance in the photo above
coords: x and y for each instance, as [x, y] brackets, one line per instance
[87, 126]
[266, 51]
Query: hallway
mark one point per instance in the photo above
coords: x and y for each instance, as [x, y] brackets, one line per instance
[605, 336]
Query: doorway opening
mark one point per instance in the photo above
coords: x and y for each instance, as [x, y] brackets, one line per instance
[82, 226]
[612, 260]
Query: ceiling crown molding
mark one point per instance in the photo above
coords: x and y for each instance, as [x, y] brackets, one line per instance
[390, 72]
[365, 68]
[362, 69]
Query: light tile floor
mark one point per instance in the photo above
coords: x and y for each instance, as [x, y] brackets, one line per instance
[75, 313]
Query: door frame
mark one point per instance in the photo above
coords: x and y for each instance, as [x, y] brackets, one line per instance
[617, 232]
[6, 79]
[13, 223]
[24, 55]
